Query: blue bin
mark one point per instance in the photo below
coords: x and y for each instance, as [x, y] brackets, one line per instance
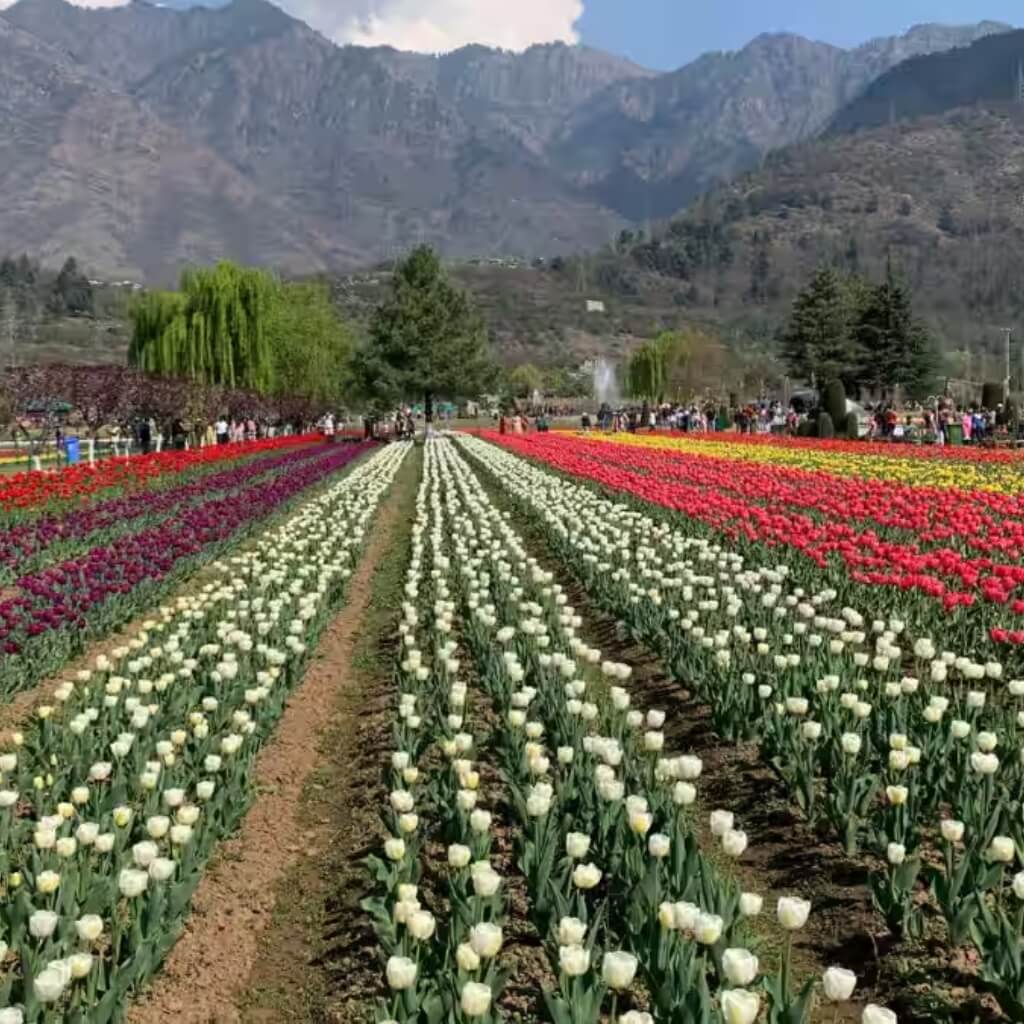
[73, 452]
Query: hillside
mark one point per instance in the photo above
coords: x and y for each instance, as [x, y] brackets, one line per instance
[991, 70]
[178, 136]
[942, 196]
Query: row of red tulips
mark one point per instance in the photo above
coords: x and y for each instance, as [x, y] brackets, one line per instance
[940, 574]
[47, 490]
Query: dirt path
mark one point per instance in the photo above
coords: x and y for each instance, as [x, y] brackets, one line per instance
[255, 912]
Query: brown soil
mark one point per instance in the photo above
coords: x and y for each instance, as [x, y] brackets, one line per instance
[271, 872]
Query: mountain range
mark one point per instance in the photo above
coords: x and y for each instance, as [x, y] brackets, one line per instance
[142, 137]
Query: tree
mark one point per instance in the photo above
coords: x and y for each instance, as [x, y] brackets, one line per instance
[817, 342]
[645, 372]
[674, 365]
[525, 380]
[310, 345]
[896, 349]
[72, 293]
[426, 340]
[212, 330]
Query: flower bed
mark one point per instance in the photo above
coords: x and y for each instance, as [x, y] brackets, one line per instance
[30, 545]
[634, 918]
[903, 739]
[31, 491]
[57, 609]
[113, 800]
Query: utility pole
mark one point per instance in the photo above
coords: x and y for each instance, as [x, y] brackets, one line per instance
[10, 317]
[1008, 332]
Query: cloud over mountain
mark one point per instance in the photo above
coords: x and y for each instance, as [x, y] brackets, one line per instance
[425, 26]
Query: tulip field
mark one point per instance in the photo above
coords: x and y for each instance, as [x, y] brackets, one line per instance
[848, 617]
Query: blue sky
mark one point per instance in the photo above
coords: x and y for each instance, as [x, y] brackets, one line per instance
[669, 33]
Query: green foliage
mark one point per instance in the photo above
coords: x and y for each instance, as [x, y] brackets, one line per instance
[524, 380]
[646, 371]
[817, 343]
[674, 365]
[852, 426]
[310, 345]
[214, 329]
[426, 340]
[833, 401]
[895, 347]
[826, 428]
[72, 294]
[806, 429]
[858, 335]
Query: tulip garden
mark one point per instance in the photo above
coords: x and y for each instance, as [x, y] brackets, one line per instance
[850, 614]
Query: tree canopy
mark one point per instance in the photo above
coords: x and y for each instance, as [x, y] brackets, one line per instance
[863, 334]
[213, 329]
[672, 366]
[426, 340]
[239, 327]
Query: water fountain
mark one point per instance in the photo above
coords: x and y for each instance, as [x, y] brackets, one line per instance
[606, 383]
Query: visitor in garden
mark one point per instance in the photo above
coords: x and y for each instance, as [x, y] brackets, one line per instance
[222, 431]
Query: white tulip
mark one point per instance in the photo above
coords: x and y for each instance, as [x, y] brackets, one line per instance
[618, 970]
[740, 1006]
[838, 984]
[740, 966]
[476, 999]
[793, 912]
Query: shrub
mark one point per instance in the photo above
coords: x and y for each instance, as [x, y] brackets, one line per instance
[852, 426]
[833, 401]
[825, 426]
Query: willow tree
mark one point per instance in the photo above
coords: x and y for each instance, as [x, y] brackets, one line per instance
[674, 365]
[646, 372]
[212, 330]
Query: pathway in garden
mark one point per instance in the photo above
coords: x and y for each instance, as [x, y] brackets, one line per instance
[261, 912]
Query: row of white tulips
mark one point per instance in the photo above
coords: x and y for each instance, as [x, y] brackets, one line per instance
[447, 968]
[603, 869]
[872, 729]
[113, 797]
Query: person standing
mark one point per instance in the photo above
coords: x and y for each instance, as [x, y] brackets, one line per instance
[223, 431]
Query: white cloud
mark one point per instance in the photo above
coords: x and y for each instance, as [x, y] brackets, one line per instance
[435, 26]
[428, 26]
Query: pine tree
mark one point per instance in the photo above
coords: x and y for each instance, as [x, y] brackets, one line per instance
[426, 340]
[817, 342]
[896, 348]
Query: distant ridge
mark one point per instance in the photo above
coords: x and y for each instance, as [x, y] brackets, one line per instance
[143, 137]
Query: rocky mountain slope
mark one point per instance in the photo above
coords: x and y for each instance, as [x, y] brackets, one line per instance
[151, 136]
[989, 71]
[940, 195]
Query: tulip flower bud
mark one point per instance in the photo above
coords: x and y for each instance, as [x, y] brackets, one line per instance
[740, 1006]
[952, 831]
[838, 984]
[618, 970]
[877, 1015]
[740, 966]
[401, 973]
[658, 845]
[1002, 850]
[793, 912]
[707, 929]
[751, 904]
[475, 999]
